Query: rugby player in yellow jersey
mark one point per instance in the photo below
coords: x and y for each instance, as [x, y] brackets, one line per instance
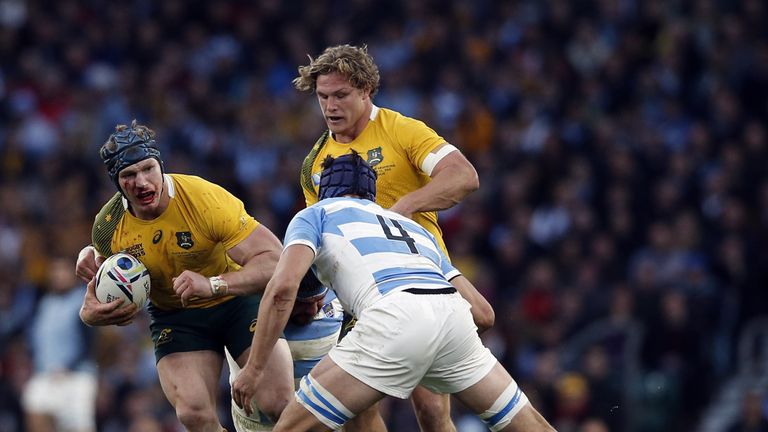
[206, 257]
[419, 173]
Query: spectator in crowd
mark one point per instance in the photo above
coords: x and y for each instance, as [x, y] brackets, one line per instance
[753, 417]
[61, 394]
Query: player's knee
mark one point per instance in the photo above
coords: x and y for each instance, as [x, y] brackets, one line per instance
[430, 403]
[274, 405]
[194, 416]
[432, 411]
[430, 414]
[506, 406]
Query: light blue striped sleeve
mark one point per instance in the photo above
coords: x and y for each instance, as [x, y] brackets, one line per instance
[305, 228]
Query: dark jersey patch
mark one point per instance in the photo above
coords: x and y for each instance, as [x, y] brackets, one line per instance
[306, 166]
[106, 223]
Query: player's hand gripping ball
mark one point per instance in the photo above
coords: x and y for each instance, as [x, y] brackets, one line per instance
[123, 276]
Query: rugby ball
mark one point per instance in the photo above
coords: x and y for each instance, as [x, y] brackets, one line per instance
[123, 276]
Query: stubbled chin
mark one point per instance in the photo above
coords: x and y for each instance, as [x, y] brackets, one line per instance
[335, 125]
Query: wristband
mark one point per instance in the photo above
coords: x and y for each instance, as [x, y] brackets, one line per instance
[218, 285]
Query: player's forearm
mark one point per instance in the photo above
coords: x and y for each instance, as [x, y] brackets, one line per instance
[445, 190]
[274, 312]
[253, 277]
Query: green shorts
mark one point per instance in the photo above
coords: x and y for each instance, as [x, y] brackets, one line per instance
[229, 324]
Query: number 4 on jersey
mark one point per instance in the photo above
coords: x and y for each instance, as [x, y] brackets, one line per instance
[403, 233]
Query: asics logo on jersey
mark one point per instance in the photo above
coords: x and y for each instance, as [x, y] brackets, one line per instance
[156, 238]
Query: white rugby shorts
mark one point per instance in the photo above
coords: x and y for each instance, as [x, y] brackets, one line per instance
[405, 339]
[68, 397]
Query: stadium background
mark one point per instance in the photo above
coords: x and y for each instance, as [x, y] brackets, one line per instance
[621, 147]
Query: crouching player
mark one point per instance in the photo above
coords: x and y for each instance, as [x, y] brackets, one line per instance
[413, 327]
[314, 327]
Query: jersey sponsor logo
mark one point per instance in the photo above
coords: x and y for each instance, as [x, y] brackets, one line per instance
[328, 310]
[136, 250]
[156, 238]
[164, 337]
[375, 156]
[252, 327]
[184, 239]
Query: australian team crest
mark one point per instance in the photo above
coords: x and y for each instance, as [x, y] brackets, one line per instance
[184, 239]
[374, 156]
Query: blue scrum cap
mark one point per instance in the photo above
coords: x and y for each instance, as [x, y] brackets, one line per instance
[347, 174]
[127, 146]
[310, 288]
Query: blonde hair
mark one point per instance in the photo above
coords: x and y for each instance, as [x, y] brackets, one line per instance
[352, 62]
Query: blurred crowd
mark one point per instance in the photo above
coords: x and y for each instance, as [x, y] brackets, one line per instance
[621, 146]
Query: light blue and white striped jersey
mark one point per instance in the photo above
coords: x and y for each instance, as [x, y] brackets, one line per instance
[363, 252]
[310, 343]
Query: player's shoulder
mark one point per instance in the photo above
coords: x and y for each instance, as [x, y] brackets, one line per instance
[406, 132]
[349, 208]
[105, 224]
[188, 181]
[391, 118]
[319, 211]
[201, 190]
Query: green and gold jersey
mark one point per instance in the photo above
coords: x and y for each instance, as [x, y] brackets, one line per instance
[395, 146]
[202, 222]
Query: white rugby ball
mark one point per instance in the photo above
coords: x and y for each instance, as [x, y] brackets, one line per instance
[123, 276]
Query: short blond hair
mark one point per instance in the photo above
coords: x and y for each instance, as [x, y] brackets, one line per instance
[350, 61]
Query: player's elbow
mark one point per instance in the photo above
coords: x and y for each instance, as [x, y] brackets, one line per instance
[484, 318]
[466, 183]
[470, 181]
[281, 294]
[473, 181]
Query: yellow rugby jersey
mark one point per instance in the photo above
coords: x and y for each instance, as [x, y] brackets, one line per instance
[395, 146]
[202, 221]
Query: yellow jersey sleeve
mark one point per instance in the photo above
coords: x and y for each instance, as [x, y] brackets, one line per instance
[416, 138]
